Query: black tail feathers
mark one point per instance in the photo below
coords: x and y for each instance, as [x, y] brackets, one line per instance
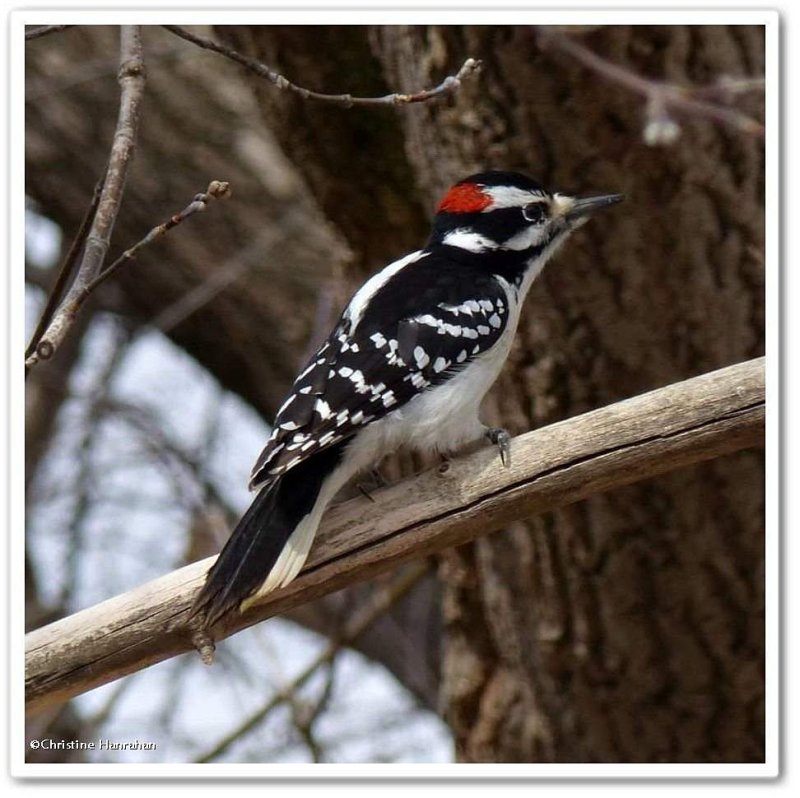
[261, 534]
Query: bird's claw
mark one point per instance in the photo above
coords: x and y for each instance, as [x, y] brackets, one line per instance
[378, 481]
[500, 438]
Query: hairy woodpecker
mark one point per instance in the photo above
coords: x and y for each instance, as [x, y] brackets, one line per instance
[407, 364]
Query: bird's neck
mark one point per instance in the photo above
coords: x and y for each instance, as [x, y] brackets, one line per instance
[516, 267]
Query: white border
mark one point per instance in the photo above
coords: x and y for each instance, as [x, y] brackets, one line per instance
[361, 13]
[463, 13]
[772, 498]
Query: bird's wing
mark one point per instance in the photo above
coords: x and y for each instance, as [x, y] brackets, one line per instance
[373, 365]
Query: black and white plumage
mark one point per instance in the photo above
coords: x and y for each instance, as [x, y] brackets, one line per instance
[408, 363]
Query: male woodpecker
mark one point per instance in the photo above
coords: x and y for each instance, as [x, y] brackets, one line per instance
[407, 364]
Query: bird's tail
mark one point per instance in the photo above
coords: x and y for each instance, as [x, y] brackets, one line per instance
[270, 543]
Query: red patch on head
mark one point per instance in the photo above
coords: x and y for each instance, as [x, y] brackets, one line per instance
[464, 198]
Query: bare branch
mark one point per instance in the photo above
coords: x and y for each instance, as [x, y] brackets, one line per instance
[44, 30]
[449, 85]
[726, 89]
[217, 189]
[131, 80]
[168, 452]
[663, 98]
[82, 469]
[672, 427]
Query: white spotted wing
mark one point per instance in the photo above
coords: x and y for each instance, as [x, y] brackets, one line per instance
[416, 331]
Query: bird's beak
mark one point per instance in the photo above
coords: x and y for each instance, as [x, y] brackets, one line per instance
[579, 208]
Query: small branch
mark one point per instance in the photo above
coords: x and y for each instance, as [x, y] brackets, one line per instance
[726, 89]
[167, 452]
[449, 85]
[83, 472]
[45, 30]
[663, 98]
[381, 602]
[672, 427]
[131, 79]
[217, 189]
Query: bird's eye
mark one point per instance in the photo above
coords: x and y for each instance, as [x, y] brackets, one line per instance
[534, 212]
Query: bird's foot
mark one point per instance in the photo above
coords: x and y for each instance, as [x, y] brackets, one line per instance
[377, 480]
[502, 440]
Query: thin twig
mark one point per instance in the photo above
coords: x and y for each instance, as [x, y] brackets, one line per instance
[217, 189]
[44, 30]
[131, 80]
[245, 260]
[49, 84]
[449, 85]
[726, 89]
[101, 716]
[169, 452]
[661, 97]
[380, 603]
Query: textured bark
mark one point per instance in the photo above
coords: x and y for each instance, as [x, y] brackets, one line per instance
[630, 627]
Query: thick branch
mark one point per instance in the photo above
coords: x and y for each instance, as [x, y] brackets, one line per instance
[672, 427]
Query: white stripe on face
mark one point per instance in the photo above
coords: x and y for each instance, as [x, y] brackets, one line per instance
[463, 238]
[510, 197]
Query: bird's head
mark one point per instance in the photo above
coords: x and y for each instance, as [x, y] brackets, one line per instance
[507, 211]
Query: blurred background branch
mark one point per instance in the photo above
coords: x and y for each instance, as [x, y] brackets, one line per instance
[44, 30]
[662, 99]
